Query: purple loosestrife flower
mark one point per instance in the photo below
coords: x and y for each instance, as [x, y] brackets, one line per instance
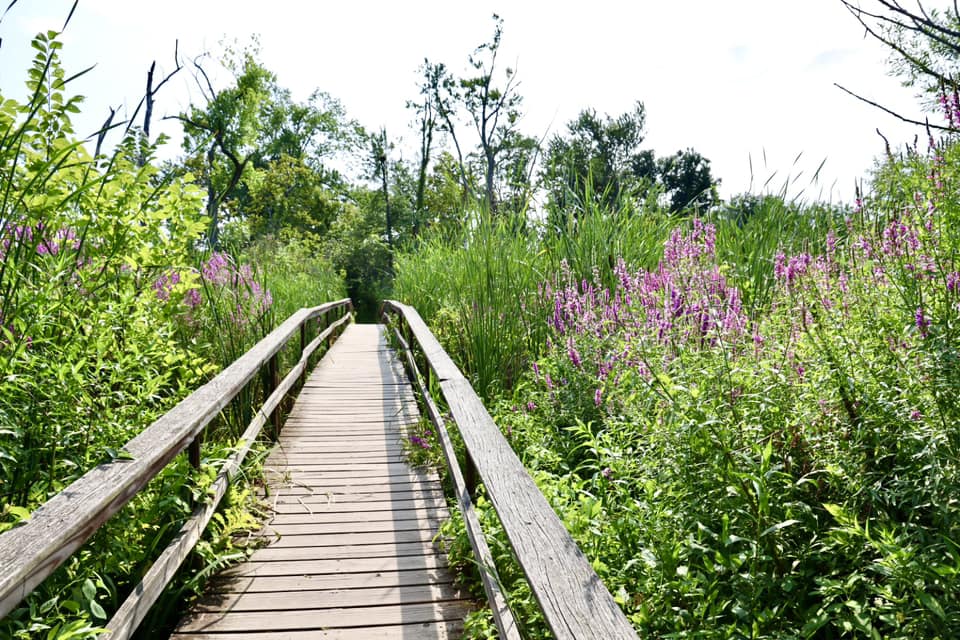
[921, 320]
[953, 282]
[164, 285]
[419, 442]
[780, 266]
[899, 239]
[573, 353]
[192, 298]
[598, 397]
[948, 110]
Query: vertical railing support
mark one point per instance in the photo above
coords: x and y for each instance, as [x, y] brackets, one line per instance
[193, 452]
[303, 345]
[332, 337]
[273, 381]
[470, 476]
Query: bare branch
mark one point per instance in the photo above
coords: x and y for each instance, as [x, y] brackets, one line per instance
[925, 20]
[102, 133]
[7, 10]
[152, 91]
[919, 123]
[211, 93]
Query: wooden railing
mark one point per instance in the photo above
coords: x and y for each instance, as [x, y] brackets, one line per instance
[31, 552]
[575, 603]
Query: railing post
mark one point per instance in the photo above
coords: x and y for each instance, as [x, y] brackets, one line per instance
[273, 381]
[470, 477]
[303, 345]
[193, 452]
[323, 322]
[332, 338]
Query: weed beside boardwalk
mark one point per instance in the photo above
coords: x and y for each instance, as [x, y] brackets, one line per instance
[781, 468]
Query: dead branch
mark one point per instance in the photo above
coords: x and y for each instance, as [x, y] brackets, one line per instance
[919, 123]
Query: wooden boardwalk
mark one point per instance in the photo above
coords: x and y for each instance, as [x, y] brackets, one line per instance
[350, 553]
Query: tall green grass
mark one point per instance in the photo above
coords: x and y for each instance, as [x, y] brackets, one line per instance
[478, 292]
[752, 229]
[293, 268]
[482, 290]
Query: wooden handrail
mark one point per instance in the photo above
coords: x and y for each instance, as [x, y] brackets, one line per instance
[31, 552]
[575, 603]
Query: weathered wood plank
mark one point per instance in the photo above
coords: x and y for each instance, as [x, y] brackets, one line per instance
[348, 497]
[415, 631]
[360, 516]
[305, 477]
[359, 484]
[377, 487]
[356, 580]
[339, 539]
[355, 565]
[385, 468]
[344, 552]
[319, 507]
[329, 598]
[323, 618]
[423, 523]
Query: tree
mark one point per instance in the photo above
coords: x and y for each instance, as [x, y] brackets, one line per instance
[222, 134]
[598, 160]
[492, 110]
[287, 193]
[515, 172]
[314, 131]
[426, 113]
[378, 149]
[687, 181]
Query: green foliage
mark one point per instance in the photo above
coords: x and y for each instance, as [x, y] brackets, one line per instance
[479, 293]
[491, 109]
[745, 425]
[751, 229]
[293, 269]
[104, 326]
[687, 181]
[357, 249]
[599, 162]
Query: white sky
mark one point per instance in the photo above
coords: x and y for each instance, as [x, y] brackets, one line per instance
[734, 80]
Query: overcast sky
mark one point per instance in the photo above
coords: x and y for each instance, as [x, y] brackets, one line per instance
[735, 80]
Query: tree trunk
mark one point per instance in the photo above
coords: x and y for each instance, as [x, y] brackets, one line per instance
[213, 202]
[491, 167]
